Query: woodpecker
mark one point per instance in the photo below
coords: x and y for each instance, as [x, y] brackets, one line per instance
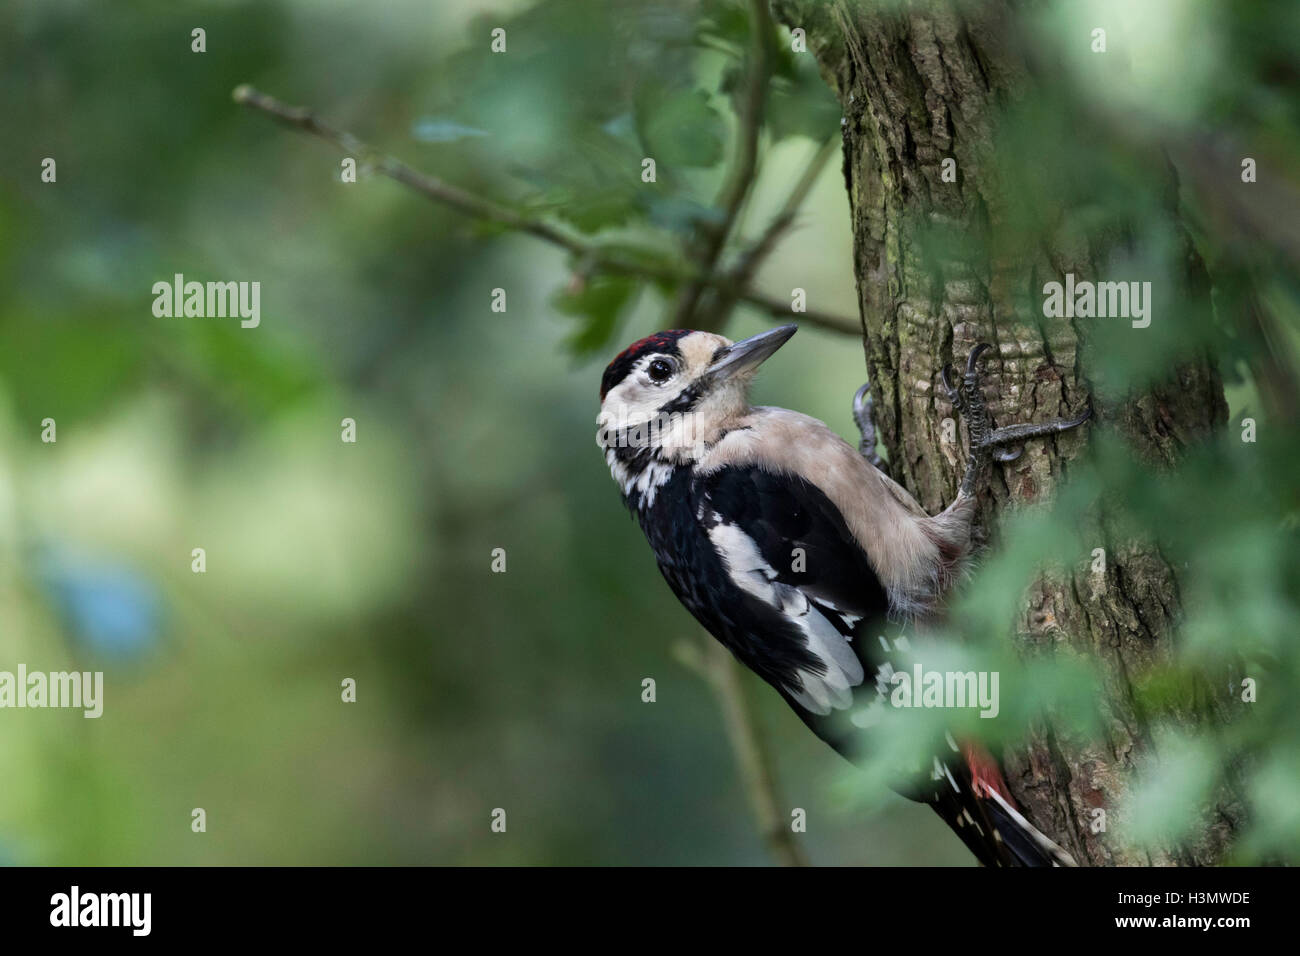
[725, 493]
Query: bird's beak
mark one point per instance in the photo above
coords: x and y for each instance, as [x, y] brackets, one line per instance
[749, 353]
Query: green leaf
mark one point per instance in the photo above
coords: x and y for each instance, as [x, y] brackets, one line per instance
[680, 214]
[723, 25]
[593, 209]
[598, 302]
[681, 129]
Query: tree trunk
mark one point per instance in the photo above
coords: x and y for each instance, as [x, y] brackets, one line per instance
[918, 84]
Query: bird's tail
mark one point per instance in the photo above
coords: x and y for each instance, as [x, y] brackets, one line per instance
[973, 799]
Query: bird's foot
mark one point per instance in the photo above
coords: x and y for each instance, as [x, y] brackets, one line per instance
[865, 418]
[986, 442]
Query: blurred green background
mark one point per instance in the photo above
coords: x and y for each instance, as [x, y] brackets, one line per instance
[475, 431]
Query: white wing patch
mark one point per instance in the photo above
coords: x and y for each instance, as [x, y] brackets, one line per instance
[818, 693]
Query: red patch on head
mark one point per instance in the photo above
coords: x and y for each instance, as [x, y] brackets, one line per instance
[665, 342]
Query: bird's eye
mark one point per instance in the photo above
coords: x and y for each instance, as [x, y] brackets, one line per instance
[660, 371]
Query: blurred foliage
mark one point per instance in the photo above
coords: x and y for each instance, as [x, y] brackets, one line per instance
[328, 560]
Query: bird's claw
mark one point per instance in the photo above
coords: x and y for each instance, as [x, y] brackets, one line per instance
[866, 422]
[953, 389]
[862, 403]
[1014, 435]
[986, 442]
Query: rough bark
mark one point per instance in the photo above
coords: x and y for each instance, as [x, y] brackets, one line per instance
[918, 83]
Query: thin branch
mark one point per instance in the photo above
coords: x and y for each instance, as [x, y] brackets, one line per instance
[742, 274]
[780, 309]
[715, 664]
[432, 187]
[762, 248]
[593, 257]
[740, 175]
[740, 178]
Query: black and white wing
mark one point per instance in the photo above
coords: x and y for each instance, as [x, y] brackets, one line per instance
[802, 593]
[768, 565]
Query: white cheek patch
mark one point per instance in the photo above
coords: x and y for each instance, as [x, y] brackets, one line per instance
[818, 693]
[635, 400]
[625, 409]
[680, 435]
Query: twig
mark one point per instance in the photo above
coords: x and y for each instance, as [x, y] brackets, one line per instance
[432, 187]
[742, 274]
[715, 664]
[780, 309]
[761, 249]
[593, 257]
[740, 175]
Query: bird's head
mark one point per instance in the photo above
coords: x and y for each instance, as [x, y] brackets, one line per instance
[674, 392]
